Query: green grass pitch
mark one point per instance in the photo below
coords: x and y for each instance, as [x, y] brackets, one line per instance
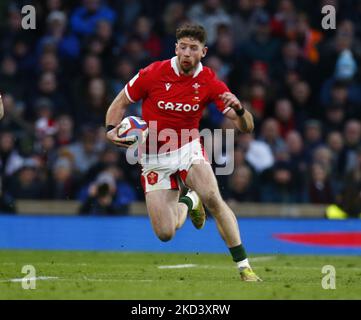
[135, 276]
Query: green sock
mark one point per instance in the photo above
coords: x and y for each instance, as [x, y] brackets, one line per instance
[187, 201]
[238, 253]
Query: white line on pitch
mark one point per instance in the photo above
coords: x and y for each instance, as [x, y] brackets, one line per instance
[260, 259]
[112, 280]
[178, 266]
[29, 279]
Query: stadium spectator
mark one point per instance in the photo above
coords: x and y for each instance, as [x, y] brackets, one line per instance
[13, 119]
[348, 202]
[278, 185]
[104, 32]
[243, 20]
[283, 112]
[107, 158]
[352, 138]
[54, 5]
[128, 11]
[214, 62]
[123, 72]
[10, 159]
[334, 118]
[292, 60]
[67, 45]
[6, 202]
[261, 46]
[84, 152]
[94, 103]
[284, 18]
[26, 183]
[211, 15]
[65, 130]
[241, 187]
[47, 87]
[340, 97]
[151, 41]
[270, 133]
[14, 38]
[135, 51]
[313, 137]
[295, 149]
[297, 159]
[125, 193]
[343, 39]
[322, 155]
[350, 197]
[343, 87]
[10, 82]
[45, 149]
[62, 181]
[260, 74]
[303, 104]
[108, 194]
[258, 153]
[44, 119]
[225, 50]
[240, 160]
[257, 97]
[91, 68]
[306, 36]
[99, 201]
[174, 15]
[335, 143]
[320, 188]
[85, 18]
[102, 45]
[49, 62]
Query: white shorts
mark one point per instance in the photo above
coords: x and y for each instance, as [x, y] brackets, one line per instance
[162, 171]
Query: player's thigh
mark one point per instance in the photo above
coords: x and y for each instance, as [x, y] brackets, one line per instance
[162, 209]
[201, 179]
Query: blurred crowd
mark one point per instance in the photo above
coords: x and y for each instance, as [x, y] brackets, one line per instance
[301, 82]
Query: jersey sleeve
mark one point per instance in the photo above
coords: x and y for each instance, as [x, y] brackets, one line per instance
[137, 88]
[218, 87]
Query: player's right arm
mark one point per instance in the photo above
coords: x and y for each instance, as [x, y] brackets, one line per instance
[114, 116]
[136, 89]
[1, 108]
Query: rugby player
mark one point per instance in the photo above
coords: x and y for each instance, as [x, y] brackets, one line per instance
[174, 94]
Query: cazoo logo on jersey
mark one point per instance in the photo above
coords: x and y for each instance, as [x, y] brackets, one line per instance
[177, 106]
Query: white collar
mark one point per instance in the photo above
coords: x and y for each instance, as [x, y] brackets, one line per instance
[174, 65]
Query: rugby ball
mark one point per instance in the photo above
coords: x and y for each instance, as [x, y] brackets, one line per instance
[133, 130]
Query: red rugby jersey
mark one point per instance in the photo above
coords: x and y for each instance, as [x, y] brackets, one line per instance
[175, 101]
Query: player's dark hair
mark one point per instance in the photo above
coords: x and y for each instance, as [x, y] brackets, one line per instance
[103, 190]
[194, 31]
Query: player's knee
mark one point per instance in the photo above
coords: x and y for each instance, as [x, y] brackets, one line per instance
[212, 200]
[165, 234]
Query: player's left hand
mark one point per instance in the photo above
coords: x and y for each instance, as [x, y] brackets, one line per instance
[230, 100]
[112, 135]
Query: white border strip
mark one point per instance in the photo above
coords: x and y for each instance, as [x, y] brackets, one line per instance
[127, 94]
